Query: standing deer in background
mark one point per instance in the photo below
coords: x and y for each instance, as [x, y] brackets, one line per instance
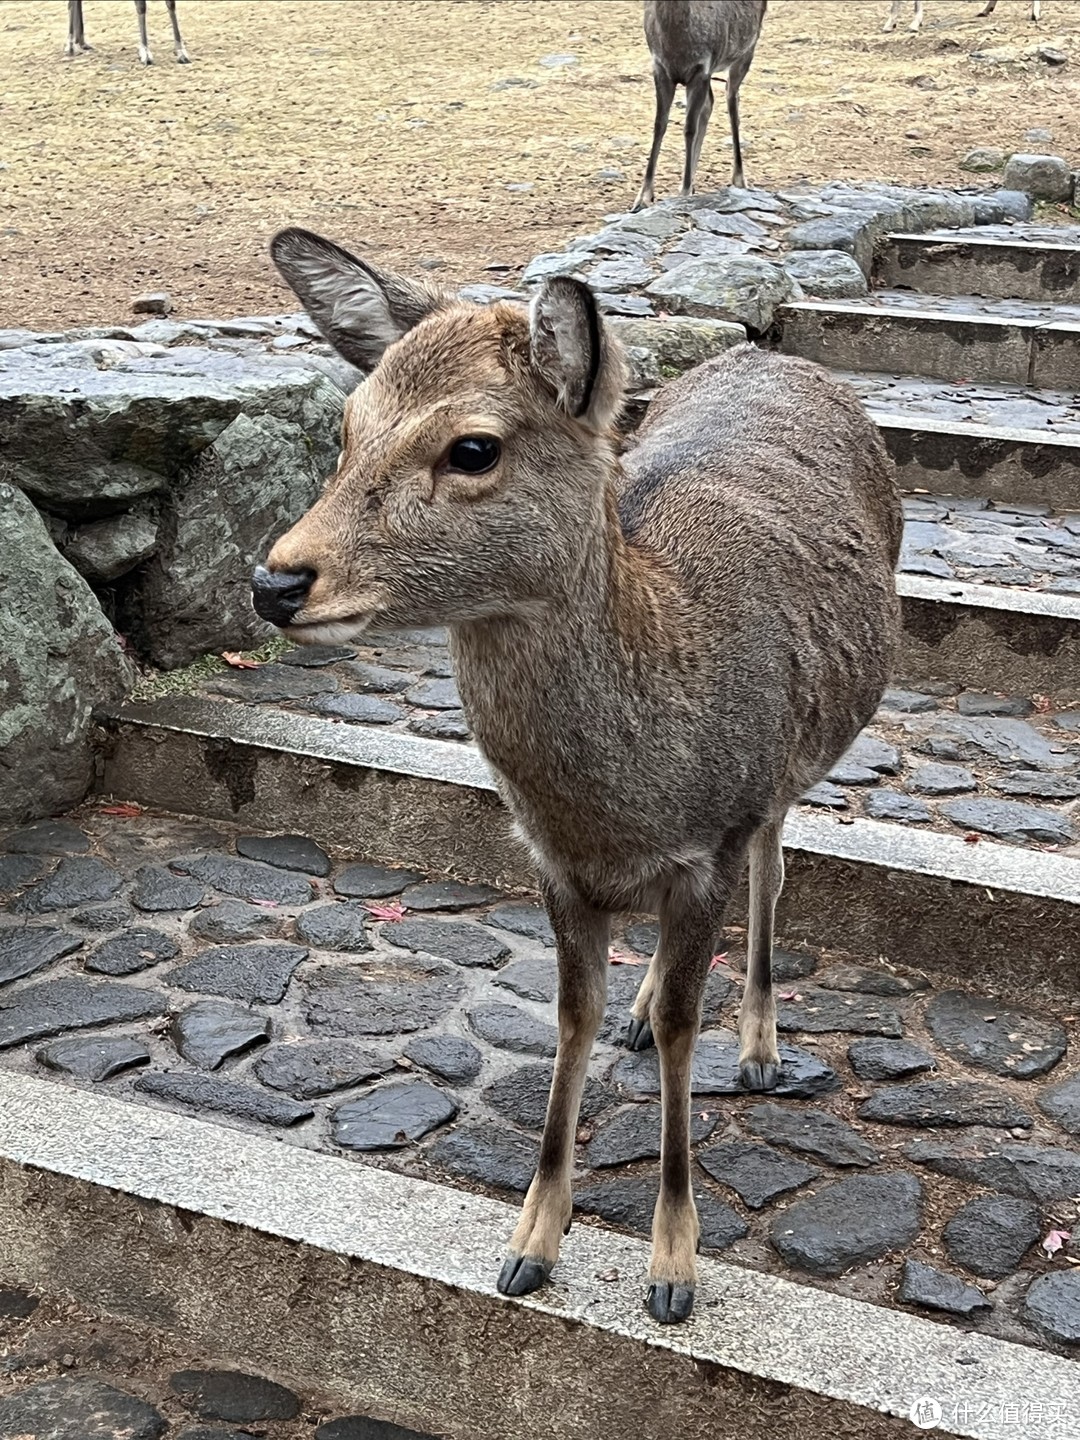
[77, 34]
[658, 656]
[916, 23]
[690, 41]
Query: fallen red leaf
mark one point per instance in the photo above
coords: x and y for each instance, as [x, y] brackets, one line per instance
[393, 911]
[266, 904]
[238, 661]
[788, 995]
[972, 839]
[126, 811]
[720, 959]
[618, 957]
[1055, 1240]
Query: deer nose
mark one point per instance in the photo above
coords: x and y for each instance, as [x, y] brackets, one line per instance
[279, 595]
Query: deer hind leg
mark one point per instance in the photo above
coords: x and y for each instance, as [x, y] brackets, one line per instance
[179, 49]
[581, 937]
[759, 1054]
[144, 42]
[1036, 10]
[639, 1035]
[699, 103]
[988, 8]
[688, 928]
[893, 17]
[665, 93]
[916, 23]
[736, 75]
[76, 40]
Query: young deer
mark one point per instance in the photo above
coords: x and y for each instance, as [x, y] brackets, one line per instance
[916, 24]
[658, 656]
[690, 41]
[77, 34]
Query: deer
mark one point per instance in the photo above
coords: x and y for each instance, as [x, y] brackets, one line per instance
[690, 41]
[658, 653]
[76, 40]
[916, 24]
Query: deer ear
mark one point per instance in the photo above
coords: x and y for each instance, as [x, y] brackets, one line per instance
[360, 309]
[572, 350]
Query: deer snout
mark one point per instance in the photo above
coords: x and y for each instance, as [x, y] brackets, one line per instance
[279, 595]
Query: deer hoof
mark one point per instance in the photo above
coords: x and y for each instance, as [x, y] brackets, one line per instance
[669, 1304]
[639, 1034]
[522, 1274]
[759, 1075]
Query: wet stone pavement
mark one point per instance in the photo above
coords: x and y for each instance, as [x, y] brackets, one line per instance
[922, 1148]
[1005, 767]
[1053, 414]
[68, 1375]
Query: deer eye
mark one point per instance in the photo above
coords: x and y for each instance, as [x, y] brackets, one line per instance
[474, 454]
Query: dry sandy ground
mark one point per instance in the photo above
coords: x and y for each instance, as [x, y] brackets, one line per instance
[389, 125]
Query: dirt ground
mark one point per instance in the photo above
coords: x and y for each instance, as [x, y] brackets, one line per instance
[431, 132]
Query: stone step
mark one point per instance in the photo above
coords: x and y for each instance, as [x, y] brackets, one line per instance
[1019, 262]
[922, 886]
[1005, 443]
[960, 338]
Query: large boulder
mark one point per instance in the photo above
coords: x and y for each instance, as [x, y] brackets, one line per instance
[679, 342]
[738, 288]
[60, 658]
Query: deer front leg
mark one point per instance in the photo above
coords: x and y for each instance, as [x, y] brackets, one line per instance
[581, 937]
[665, 94]
[759, 1054]
[179, 49]
[699, 103]
[144, 40]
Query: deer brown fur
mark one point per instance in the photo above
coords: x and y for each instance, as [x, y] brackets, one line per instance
[658, 655]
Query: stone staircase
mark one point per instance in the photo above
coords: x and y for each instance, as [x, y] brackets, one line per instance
[941, 856]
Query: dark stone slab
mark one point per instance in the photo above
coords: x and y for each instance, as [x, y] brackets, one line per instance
[447, 895]
[286, 852]
[373, 882]
[1011, 820]
[44, 1010]
[1038, 1172]
[634, 1134]
[213, 1432]
[631, 1202]
[442, 725]
[370, 679]
[945, 1102]
[210, 1032]
[848, 1223]
[382, 996]
[1062, 1103]
[488, 1154]
[934, 1290]
[811, 1132]
[1011, 742]
[223, 1097]
[16, 871]
[991, 1036]
[908, 702]
[534, 978]
[448, 1056]
[232, 920]
[820, 1012]
[270, 684]
[1045, 787]
[246, 879]
[256, 974]
[435, 695]
[305, 1069]
[876, 1059]
[715, 1070]
[316, 657]
[338, 925]
[462, 941]
[522, 1096]
[867, 981]
[977, 702]
[757, 1173]
[891, 805]
[130, 952]
[157, 888]
[77, 880]
[392, 1116]
[102, 918]
[359, 1427]
[232, 1395]
[48, 837]
[825, 796]
[94, 1058]
[1052, 1304]
[77, 1407]
[991, 1234]
[17, 1304]
[30, 948]
[358, 709]
[865, 762]
[523, 919]
[941, 778]
[512, 1029]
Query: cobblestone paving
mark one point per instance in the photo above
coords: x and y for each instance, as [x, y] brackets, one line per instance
[1052, 413]
[68, 1375]
[921, 1146]
[963, 762]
